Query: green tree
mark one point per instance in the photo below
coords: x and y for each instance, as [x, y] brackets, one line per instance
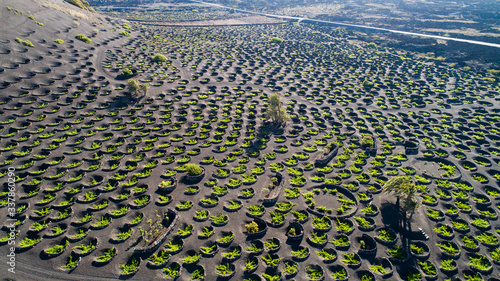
[275, 110]
[410, 205]
[136, 89]
[404, 189]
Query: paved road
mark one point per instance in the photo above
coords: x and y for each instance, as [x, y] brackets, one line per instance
[357, 26]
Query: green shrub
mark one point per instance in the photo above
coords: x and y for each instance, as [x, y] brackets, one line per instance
[127, 72]
[367, 84]
[83, 38]
[252, 227]
[59, 41]
[193, 169]
[276, 40]
[367, 141]
[125, 33]
[137, 89]
[25, 42]
[159, 58]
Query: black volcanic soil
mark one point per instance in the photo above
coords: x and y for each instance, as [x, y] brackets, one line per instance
[76, 137]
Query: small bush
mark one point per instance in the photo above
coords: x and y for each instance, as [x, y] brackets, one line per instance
[83, 38]
[25, 42]
[125, 33]
[127, 72]
[276, 40]
[59, 41]
[367, 84]
[252, 227]
[367, 141]
[14, 10]
[159, 58]
[126, 26]
[193, 169]
[137, 89]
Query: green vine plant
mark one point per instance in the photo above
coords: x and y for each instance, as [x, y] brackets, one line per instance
[270, 261]
[378, 268]
[108, 255]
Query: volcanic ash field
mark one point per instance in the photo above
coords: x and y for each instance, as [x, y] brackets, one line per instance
[102, 173]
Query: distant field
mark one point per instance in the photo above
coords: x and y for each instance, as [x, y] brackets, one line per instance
[416, 16]
[233, 21]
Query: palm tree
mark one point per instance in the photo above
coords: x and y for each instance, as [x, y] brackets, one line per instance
[402, 187]
[410, 206]
[395, 186]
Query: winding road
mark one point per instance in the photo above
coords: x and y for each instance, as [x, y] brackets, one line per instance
[301, 19]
